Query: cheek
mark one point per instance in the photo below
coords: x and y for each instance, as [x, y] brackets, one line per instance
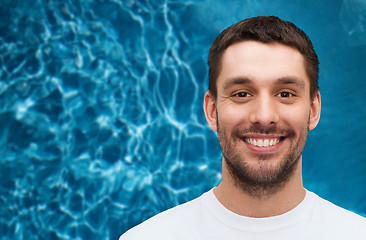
[297, 118]
[230, 117]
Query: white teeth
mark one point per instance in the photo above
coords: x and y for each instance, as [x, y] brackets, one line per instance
[263, 142]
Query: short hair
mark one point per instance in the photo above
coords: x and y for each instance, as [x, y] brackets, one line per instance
[265, 29]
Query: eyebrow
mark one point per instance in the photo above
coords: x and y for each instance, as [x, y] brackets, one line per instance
[281, 81]
[290, 81]
[236, 81]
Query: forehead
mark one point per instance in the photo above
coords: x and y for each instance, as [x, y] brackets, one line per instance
[262, 63]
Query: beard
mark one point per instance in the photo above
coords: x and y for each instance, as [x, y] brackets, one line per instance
[266, 178]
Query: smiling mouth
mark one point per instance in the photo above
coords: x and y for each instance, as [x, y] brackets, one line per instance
[263, 142]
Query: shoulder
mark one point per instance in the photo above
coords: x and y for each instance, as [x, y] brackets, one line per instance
[335, 212]
[338, 220]
[168, 224]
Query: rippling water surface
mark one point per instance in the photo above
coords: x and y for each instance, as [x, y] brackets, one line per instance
[101, 109]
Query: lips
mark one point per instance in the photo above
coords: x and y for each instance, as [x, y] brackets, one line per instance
[262, 142]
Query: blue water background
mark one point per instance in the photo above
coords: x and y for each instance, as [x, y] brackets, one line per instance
[101, 109]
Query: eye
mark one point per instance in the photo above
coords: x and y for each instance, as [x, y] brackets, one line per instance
[242, 94]
[285, 95]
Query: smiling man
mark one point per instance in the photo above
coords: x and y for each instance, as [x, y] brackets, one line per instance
[262, 111]
[263, 99]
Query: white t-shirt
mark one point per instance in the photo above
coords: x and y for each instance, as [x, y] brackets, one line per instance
[206, 218]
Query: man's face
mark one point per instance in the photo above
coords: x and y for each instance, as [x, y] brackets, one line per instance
[262, 113]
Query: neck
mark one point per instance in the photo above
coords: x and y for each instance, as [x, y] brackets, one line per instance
[246, 204]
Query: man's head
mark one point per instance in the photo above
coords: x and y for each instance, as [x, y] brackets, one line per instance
[266, 30]
[262, 106]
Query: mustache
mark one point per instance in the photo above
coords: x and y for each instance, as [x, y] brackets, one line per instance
[258, 129]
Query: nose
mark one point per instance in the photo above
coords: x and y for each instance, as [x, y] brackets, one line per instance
[264, 111]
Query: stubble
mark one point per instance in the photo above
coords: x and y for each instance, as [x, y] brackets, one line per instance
[265, 180]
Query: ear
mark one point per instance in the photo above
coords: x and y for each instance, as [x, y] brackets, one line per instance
[315, 111]
[209, 106]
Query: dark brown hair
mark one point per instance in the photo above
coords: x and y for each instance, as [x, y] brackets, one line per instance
[268, 29]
